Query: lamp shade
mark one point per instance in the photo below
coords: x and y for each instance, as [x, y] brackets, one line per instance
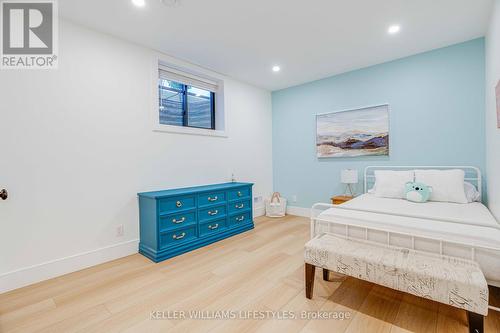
[349, 176]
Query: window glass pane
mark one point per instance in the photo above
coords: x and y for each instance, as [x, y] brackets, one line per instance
[183, 105]
[200, 105]
[171, 102]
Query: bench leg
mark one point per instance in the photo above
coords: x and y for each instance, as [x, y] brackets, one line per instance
[326, 274]
[476, 322]
[309, 272]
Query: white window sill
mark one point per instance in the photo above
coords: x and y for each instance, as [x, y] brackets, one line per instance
[189, 130]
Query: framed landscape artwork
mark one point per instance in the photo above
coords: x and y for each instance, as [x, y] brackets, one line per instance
[497, 91]
[358, 132]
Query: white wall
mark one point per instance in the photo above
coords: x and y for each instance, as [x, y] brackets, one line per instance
[492, 132]
[77, 145]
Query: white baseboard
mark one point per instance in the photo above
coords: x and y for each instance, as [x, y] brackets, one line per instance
[259, 211]
[290, 210]
[298, 211]
[50, 269]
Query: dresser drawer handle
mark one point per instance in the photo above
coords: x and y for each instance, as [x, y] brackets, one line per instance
[241, 218]
[212, 199]
[239, 206]
[181, 236]
[179, 221]
[213, 227]
[178, 204]
[213, 212]
[240, 194]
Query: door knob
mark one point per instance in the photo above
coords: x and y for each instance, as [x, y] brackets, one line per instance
[3, 194]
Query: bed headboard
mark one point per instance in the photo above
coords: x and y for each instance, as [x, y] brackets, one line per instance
[472, 174]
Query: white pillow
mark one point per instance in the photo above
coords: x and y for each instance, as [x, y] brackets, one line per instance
[471, 192]
[447, 185]
[391, 184]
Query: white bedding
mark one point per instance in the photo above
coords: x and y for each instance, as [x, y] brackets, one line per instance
[430, 219]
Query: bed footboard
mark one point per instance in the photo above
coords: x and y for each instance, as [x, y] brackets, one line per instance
[391, 238]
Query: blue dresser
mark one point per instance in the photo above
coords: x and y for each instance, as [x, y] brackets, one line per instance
[180, 220]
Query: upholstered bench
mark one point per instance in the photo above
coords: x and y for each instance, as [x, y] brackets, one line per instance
[456, 282]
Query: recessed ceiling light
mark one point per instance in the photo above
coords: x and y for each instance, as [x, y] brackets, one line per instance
[276, 68]
[139, 3]
[394, 29]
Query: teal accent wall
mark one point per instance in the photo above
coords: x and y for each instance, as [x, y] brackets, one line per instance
[437, 111]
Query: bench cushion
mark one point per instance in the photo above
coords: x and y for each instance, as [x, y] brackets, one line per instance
[457, 282]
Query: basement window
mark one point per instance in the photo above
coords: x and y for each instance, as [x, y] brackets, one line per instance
[188, 104]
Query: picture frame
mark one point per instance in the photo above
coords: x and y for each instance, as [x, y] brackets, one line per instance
[354, 132]
[497, 94]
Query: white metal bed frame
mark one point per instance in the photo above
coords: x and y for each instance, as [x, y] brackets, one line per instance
[473, 175]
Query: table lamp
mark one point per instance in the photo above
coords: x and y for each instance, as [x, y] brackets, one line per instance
[349, 177]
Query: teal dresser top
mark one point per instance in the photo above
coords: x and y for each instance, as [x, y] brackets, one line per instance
[188, 190]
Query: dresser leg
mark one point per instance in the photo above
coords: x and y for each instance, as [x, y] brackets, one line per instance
[476, 322]
[309, 279]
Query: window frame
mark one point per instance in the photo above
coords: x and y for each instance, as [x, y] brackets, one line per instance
[218, 114]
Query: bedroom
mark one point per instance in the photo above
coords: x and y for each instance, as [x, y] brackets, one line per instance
[93, 138]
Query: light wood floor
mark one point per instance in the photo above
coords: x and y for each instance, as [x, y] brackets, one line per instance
[260, 270]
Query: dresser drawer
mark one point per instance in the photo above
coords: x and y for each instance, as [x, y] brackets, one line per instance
[212, 213]
[209, 199]
[212, 227]
[173, 238]
[178, 220]
[238, 206]
[239, 219]
[239, 193]
[175, 204]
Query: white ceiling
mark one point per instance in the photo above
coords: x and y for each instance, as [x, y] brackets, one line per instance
[309, 39]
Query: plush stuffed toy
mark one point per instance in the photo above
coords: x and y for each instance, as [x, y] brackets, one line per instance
[418, 192]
